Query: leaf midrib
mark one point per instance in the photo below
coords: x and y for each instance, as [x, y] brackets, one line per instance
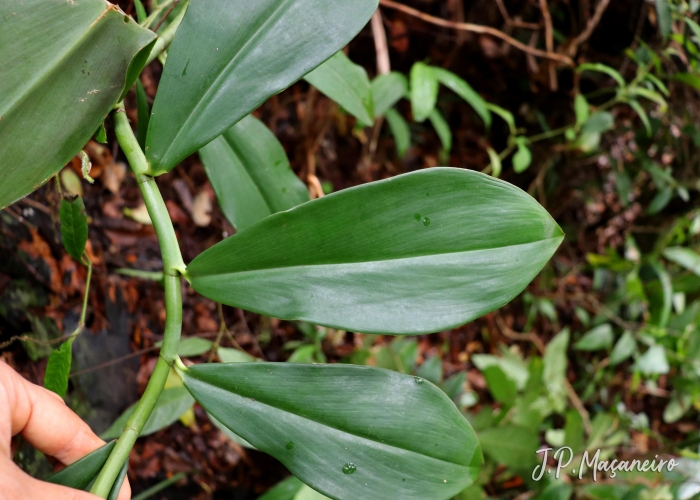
[200, 275]
[243, 50]
[360, 436]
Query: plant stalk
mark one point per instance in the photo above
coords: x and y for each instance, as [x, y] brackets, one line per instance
[173, 267]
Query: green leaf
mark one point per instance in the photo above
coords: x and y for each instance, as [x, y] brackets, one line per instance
[558, 490]
[502, 387]
[555, 364]
[506, 115]
[582, 109]
[510, 445]
[684, 257]
[347, 431]
[140, 11]
[689, 79]
[58, 87]
[387, 90]
[602, 68]
[496, 165]
[347, 84]
[306, 493]
[515, 369]
[653, 361]
[599, 122]
[600, 337]
[465, 91]
[74, 226]
[522, 159]
[624, 348]
[171, 404]
[443, 130]
[664, 17]
[431, 370]
[230, 434]
[424, 91]
[58, 369]
[193, 346]
[251, 51]
[573, 431]
[399, 128]
[662, 314]
[229, 355]
[634, 104]
[80, 474]
[284, 490]
[416, 253]
[101, 134]
[143, 115]
[250, 173]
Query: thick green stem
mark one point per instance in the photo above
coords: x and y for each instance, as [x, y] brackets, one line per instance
[173, 266]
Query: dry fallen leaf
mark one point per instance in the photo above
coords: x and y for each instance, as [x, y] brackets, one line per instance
[139, 214]
[113, 176]
[201, 209]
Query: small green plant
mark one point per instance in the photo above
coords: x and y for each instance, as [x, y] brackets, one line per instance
[409, 255]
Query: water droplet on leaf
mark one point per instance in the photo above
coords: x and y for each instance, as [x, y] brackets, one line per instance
[419, 380]
[349, 468]
[426, 221]
[417, 216]
[290, 445]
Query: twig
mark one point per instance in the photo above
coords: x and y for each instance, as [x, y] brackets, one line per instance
[380, 44]
[165, 16]
[590, 27]
[316, 185]
[549, 42]
[113, 361]
[477, 28]
[383, 68]
[512, 22]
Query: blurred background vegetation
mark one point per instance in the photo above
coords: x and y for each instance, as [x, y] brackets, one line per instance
[589, 105]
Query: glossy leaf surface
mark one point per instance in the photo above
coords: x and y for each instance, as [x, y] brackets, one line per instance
[347, 84]
[56, 88]
[347, 431]
[80, 474]
[417, 253]
[74, 226]
[171, 404]
[387, 90]
[251, 51]
[250, 173]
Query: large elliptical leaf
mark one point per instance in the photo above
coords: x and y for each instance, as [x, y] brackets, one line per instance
[347, 431]
[250, 173]
[249, 52]
[65, 64]
[417, 253]
[347, 84]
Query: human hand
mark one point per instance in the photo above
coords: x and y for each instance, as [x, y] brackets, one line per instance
[45, 422]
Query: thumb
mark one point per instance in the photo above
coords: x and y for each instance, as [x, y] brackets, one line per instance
[17, 485]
